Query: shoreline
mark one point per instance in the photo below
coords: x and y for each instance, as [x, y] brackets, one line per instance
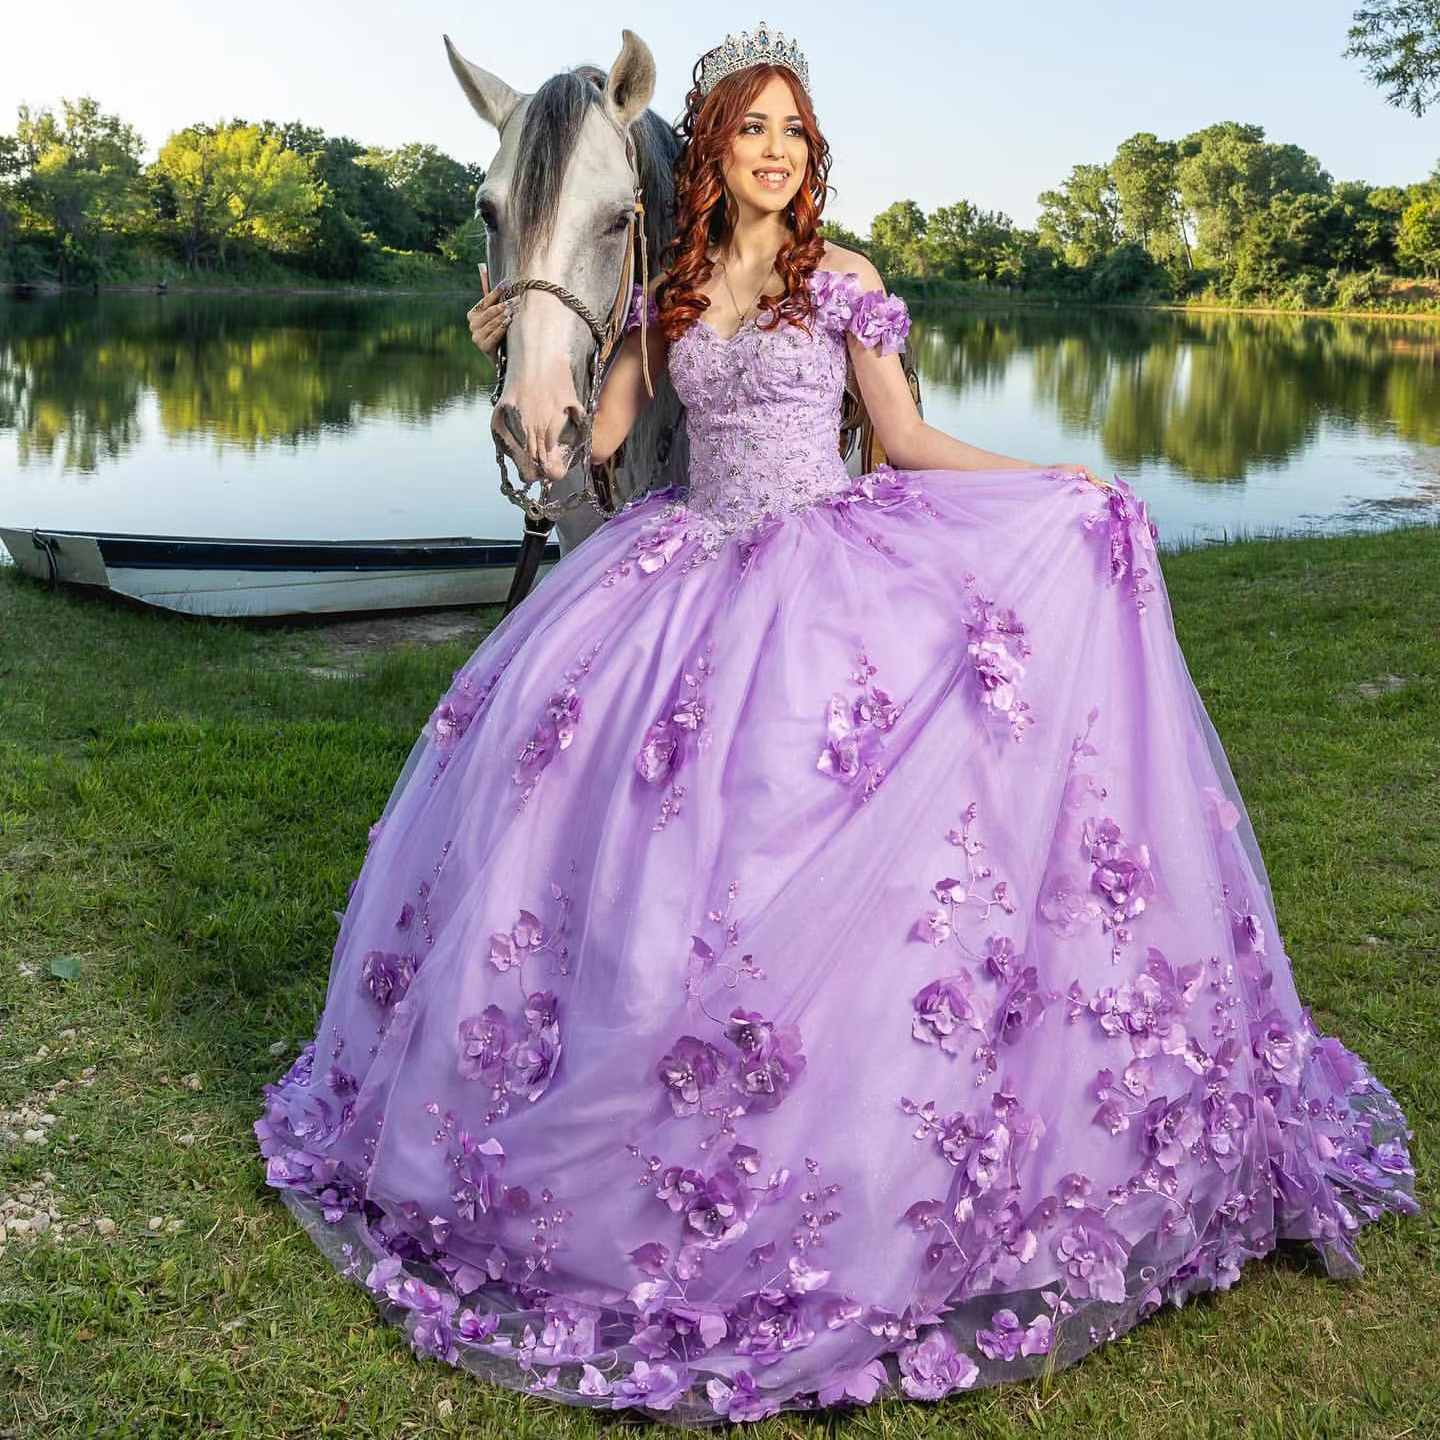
[33, 290]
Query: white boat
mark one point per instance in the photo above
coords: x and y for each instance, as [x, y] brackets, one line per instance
[272, 577]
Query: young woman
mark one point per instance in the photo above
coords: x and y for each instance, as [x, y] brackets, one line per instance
[816, 949]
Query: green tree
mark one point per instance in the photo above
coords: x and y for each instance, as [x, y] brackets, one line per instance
[896, 236]
[1228, 172]
[232, 180]
[438, 190]
[1417, 245]
[1399, 41]
[1081, 220]
[78, 181]
[1147, 191]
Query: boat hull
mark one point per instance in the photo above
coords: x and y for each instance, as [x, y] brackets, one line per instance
[234, 578]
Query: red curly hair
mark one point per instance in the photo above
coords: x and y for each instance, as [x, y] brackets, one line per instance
[703, 217]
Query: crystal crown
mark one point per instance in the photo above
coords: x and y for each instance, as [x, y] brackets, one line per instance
[758, 47]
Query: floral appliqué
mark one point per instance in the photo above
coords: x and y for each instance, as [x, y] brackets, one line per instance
[854, 727]
[677, 734]
[554, 730]
[1130, 535]
[997, 650]
[516, 1053]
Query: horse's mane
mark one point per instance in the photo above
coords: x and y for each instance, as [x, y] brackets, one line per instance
[551, 128]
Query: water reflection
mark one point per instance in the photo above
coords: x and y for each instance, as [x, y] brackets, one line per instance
[245, 371]
[1211, 396]
[1297, 420]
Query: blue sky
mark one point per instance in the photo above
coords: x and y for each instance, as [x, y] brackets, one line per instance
[926, 101]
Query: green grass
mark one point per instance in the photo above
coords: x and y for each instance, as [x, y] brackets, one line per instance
[183, 804]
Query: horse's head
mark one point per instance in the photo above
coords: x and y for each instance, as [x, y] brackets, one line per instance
[557, 202]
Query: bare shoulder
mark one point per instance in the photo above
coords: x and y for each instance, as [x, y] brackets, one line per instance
[845, 261]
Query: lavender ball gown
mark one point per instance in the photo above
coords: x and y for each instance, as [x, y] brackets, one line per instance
[816, 950]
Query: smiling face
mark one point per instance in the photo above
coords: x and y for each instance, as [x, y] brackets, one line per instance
[766, 164]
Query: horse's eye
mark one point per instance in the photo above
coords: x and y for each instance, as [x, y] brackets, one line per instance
[488, 218]
[619, 223]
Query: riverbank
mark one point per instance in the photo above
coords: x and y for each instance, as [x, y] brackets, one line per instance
[1428, 310]
[182, 805]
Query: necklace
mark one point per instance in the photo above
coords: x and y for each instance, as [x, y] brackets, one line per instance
[743, 314]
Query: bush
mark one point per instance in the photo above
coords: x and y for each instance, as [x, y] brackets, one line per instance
[1357, 288]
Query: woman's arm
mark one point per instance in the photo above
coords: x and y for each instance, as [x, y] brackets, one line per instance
[911, 444]
[623, 396]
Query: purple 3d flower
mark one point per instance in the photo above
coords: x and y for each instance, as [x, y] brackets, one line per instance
[1022, 1007]
[553, 732]
[657, 1387]
[998, 672]
[1092, 1255]
[1008, 1339]
[659, 754]
[1279, 1048]
[769, 1325]
[742, 1401]
[1120, 873]
[749, 1032]
[1170, 1129]
[385, 976]
[451, 719]
[944, 1010]
[880, 319]
[569, 1332]
[474, 1328]
[1068, 906]
[678, 1187]
[719, 1212]
[483, 1039]
[530, 1062]
[689, 1070]
[933, 1367]
[476, 1188]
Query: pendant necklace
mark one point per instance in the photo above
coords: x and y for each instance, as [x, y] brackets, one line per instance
[743, 314]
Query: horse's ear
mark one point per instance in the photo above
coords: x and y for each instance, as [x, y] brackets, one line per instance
[632, 79]
[492, 99]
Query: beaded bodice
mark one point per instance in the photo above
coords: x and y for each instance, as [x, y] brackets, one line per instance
[763, 405]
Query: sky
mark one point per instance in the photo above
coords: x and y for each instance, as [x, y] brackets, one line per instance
[927, 101]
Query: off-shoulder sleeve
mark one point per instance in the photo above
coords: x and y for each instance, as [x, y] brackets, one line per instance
[640, 301]
[878, 319]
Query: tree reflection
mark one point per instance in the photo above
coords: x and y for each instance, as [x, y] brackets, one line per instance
[245, 372]
[1211, 396]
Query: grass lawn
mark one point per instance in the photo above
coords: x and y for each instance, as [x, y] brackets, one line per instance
[182, 805]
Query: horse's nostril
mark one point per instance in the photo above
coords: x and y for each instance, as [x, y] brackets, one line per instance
[577, 423]
[509, 417]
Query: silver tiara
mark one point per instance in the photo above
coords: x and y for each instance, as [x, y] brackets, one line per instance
[759, 47]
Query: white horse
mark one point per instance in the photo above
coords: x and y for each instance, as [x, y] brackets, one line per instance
[559, 206]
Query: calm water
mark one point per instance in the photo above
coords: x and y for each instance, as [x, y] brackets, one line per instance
[325, 417]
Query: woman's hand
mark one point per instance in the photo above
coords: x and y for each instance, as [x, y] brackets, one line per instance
[1081, 472]
[489, 318]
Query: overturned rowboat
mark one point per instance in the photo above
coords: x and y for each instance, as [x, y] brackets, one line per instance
[221, 577]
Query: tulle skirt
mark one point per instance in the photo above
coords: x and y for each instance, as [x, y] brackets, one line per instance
[820, 960]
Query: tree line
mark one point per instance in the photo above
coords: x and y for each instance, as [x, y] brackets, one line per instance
[1222, 213]
[79, 205]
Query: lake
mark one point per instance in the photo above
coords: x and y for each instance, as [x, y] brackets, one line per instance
[337, 417]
